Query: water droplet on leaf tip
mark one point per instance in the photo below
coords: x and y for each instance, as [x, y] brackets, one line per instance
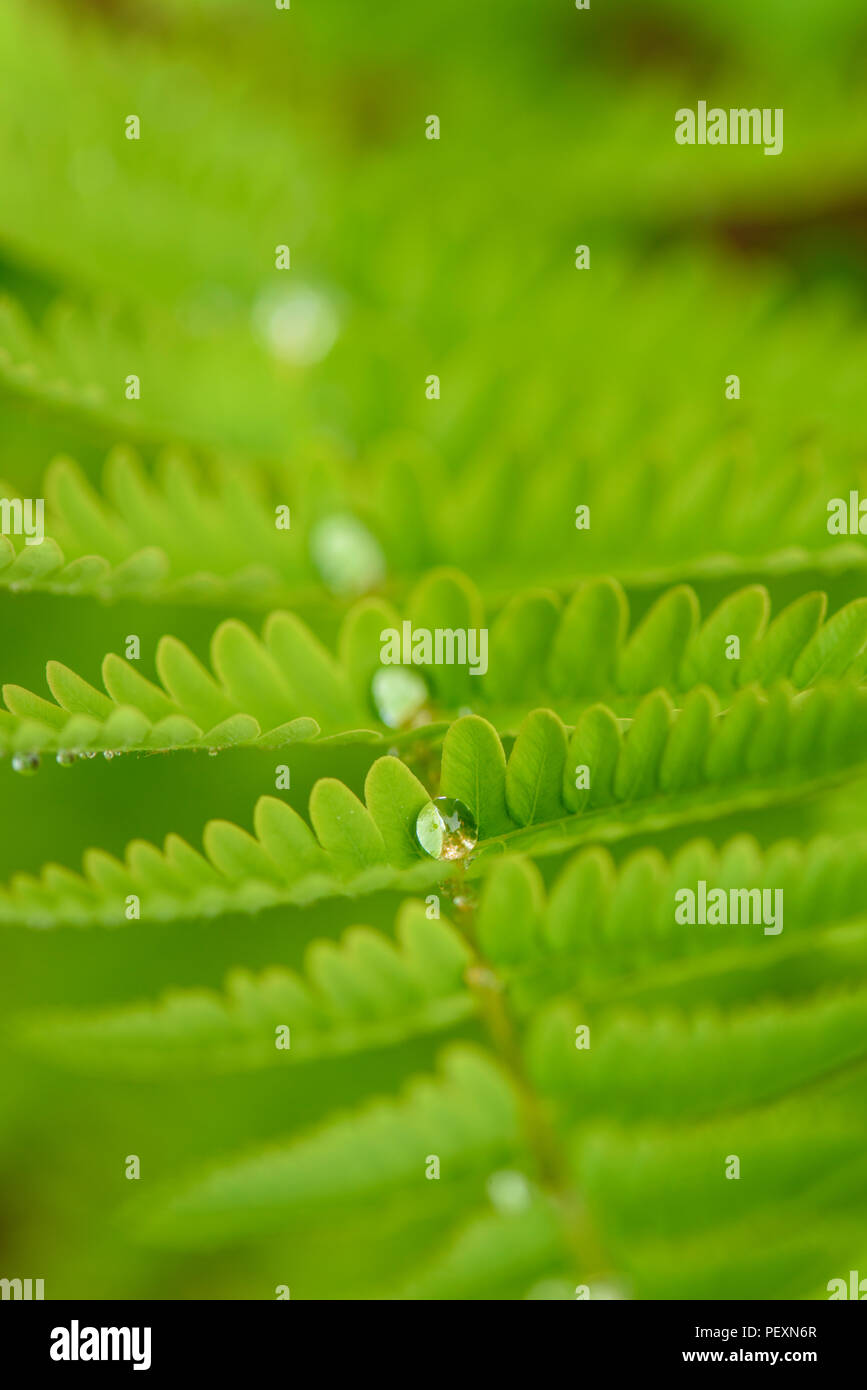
[66, 758]
[398, 695]
[445, 829]
[25, 763]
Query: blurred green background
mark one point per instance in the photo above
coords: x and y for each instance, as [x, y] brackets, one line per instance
[408, 257]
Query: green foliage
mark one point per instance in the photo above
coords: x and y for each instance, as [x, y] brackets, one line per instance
[492, 1255]
[695, 1228]
[183, 533]
[586, 936]
[523, 1073]
[468, 1114]
[287, 686]
[671, 769]
[363, 993]
[670, 1070]
[178, 534]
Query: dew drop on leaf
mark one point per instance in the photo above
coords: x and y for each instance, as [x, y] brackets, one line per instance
[445, 829]
[397, 695]
[299, 326]
[25, 763]
[66, 758]
[509, 1191]
[347, 556]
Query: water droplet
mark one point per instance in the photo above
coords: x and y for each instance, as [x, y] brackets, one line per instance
[464, 901]
[87, 755]
[25, 763]
[298, 326]
[509, 1191]
[398, 694]
[212, 752]
[347, 556]
[445, 829]
[66, 758]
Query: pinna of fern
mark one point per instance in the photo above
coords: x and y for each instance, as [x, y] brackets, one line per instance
[669, 768]
[184, 534]
[300, 1181]
[288, 686]
[472, 1115]
[604, 1164]
[604, 935]
[87, 69]
[373, 994]
[253, 164]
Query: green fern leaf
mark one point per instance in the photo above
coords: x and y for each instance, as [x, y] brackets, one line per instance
[362, 994]
[467, 1117]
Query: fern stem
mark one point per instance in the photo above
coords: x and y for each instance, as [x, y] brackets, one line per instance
[488, 988]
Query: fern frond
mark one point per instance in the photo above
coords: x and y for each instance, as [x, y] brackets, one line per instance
[585, 650]
[617, 716]
[158, 188]
[360, 994]
[619, 1165]
[669, 769]
[612, 935]
[467, 1116]
[184, 533]
[255, 698]
[177, 534]
[674, 1224]
[608, 936]
[472, 1122]
[575, 656]
[674, 1070]
[495, 1254]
